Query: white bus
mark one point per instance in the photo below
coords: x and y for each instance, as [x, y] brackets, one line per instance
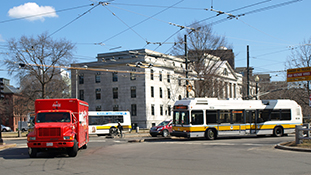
[210, 117]
[105, 122]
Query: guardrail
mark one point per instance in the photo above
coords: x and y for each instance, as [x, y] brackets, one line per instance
[302, 132]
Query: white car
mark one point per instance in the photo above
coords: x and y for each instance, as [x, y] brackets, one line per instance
[5, 128]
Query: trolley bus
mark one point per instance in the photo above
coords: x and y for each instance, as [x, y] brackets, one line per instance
[211, 117]
[105, 122]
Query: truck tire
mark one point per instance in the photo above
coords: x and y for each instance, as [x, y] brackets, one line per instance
[32, 152]
[84, 146]
[73, 151]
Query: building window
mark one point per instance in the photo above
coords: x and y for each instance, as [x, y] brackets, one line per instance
[152, 91]
[133, 75]
[98, 108]
[115, 108]
[160, 76]
[81, 94]
[133, 91]
[133, 110]
[179, 81]
[152, 109]
[179, 97]
[115, 76]
[151, 74]
[169, 110]
[81, 78]
[160, 92]
[115, 93]
[168, 77]
[168, 93]
[161, 109]
[97, 77]
[97, 93]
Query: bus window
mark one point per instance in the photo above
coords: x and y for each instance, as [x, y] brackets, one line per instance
[275, 115]
[197, 117]
[265, 114]
[285, 114]
[224, 116]
[250, 116]
[211, 117]
[181, 117]
[237, 116]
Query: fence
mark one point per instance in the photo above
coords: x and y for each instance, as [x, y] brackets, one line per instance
[302, 132]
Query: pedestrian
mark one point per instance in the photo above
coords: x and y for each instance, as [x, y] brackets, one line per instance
[120, 127]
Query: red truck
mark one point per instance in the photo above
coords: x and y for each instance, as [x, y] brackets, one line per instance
[59, 124]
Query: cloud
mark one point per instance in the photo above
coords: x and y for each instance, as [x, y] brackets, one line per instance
[32, 9]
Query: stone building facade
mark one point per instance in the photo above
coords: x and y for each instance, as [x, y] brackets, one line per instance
[142, 81]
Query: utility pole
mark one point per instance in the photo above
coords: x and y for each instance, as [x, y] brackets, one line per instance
[186, 61]
[247, 88]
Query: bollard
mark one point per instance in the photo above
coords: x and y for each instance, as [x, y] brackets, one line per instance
[298, 134]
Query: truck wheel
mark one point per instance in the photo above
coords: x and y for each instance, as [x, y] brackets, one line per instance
[84, 146]
[165, 133]
[72, 152]
[32, 152]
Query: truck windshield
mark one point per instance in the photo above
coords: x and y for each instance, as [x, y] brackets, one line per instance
[53, 117]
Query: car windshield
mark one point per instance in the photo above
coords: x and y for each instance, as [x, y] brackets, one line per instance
[164, 123]
[53, 117]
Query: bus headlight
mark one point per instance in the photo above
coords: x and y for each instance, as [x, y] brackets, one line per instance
[68, 137]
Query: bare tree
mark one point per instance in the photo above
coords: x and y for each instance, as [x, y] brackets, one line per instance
[38, 58]
[301, 57]
[202, 43]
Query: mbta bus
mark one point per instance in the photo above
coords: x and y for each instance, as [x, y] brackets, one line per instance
[211, 117]
[105, 122]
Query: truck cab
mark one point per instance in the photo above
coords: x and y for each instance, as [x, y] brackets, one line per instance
[64, 127]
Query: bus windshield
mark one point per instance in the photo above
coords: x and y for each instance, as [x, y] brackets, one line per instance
[181, 117]
[53, 117]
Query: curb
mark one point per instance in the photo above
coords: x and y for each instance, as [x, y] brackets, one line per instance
[291, 148]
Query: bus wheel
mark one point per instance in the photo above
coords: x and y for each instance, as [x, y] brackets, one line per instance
[210, 134]
[73, 151]
[278, 131]
[165, 133]
[32, 152]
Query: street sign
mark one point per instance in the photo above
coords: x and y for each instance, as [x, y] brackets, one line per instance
[299, 74]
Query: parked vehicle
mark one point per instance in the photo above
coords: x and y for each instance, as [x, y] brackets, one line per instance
[59, 124]
[5, 128]
[164, 129]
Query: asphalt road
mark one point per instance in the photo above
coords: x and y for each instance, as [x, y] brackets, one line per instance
[246, 155]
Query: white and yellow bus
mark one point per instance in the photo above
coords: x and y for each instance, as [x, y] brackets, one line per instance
[211, 117]
[105, 122]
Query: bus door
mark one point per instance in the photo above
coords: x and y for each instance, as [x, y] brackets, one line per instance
[251, 124]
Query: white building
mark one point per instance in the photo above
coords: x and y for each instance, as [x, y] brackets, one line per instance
[144, 82]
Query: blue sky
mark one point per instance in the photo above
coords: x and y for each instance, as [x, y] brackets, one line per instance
[269, 32]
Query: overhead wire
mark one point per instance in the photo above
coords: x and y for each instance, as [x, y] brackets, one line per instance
[142, 21]
[76, 19]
